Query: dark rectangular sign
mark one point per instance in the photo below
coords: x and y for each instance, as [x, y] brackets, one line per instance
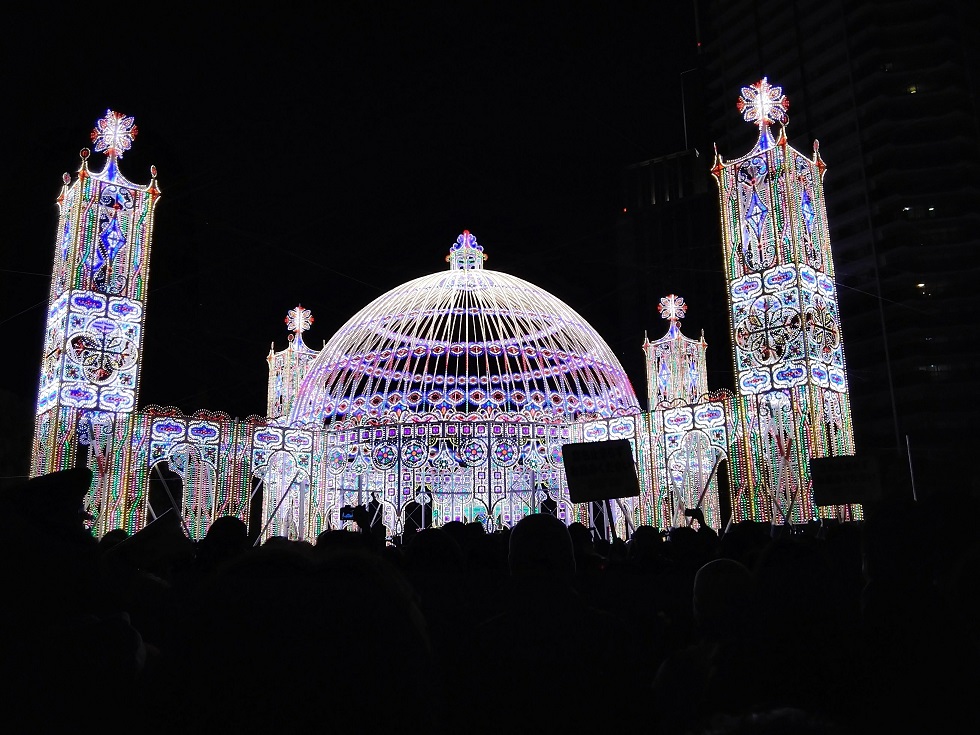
[845, 480]
[600, 470]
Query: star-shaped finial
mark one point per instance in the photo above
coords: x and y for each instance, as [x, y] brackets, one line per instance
[763, 104]
[298, 320]
[672, 307]
[114, 134]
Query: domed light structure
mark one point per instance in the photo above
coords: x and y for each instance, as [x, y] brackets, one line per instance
[464, 344]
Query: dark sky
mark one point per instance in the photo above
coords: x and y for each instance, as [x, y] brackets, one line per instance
[324, 159]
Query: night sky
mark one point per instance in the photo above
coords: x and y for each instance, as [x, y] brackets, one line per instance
[324, 159]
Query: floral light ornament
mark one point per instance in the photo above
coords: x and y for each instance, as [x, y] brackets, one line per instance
[114, 134]
[299, 319]
[672, 307]
[762, 104]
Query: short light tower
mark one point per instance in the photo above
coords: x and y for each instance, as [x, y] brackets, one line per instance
[288, 367]
[90, 367]
[689, 425]
[676, 368]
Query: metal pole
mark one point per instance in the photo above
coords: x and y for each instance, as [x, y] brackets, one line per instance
[684, 106]
[707, 482]
[627, 517]
[173, 503]
[731, 517]
[908, 452]
[607, 512]
[276, 509]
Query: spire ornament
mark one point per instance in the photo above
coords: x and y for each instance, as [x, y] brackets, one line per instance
[672, 307]
[299, 320]
[762, 104]
[466, 253]
[114, 134]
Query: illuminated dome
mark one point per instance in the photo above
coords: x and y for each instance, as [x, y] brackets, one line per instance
[467, 343]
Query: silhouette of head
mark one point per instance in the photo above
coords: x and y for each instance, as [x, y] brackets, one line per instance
[541, 544]
[227, 535]
[434, 549]
[721, 592]
[646, 544]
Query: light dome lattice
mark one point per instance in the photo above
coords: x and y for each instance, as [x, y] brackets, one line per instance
[467, 343]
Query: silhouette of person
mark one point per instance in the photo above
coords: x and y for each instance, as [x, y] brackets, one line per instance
[541, 586]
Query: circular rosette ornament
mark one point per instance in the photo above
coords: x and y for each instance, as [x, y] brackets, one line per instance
[414, 453]
[102, 351]
[385, 456]
[554, 454]
[336, 460]
[767, 330]
[506, 454]
[474, 452]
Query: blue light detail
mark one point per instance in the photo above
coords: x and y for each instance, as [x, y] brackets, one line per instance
[756, 215]
[808, 211]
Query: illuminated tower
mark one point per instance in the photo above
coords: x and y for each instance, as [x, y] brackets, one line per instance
[288, 367]
[89, 378]
[789, 358]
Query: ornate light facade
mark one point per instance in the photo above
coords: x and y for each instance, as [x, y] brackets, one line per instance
[461, 387]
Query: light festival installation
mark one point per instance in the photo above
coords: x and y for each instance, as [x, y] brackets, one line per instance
[789, 357]
[459, 388]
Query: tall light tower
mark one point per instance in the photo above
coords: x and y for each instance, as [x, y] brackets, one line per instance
[789, 358]
[89, 377]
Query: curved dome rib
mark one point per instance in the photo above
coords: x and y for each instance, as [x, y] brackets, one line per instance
[464, 343]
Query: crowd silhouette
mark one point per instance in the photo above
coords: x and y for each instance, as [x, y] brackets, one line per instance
[825, 628]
